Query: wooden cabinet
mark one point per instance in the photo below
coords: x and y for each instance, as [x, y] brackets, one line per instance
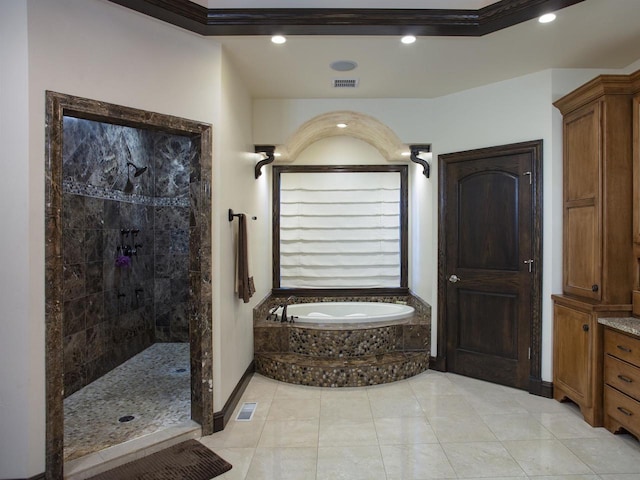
[622, 382]
[577, 352]
[599, 268]
[597, 166]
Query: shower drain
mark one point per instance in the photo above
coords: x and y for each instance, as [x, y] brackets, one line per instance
[126, 418]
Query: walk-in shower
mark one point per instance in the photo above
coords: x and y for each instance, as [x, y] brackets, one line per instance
[126, 196]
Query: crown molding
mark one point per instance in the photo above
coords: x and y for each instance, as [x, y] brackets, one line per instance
[344, 21]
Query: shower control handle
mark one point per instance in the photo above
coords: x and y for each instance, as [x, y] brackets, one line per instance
[454, 278]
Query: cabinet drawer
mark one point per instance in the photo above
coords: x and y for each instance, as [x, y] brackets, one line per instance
[623, 409]
[622, 346]
[622, 376]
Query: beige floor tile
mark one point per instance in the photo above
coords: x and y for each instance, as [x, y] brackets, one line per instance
[537, 404]
[516, 427]
[261, 387]
[495, 404]
[416, 462]
[546, 457]
[287, 390]
[446, 406]
[607, 455]
[395, 406]
[336, 432]
[565, 425]
[350, 463]
[395, 390]
[621, 476]
[239, 458]
[289, 433]
[567, 477]
[481, 460]
[235, 435]
[294, 409]
[404, 431]
[283, 464]
[350, 405]
[461, 429]
[433, 384]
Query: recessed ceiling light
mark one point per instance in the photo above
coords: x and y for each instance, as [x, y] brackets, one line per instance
[279, 39]
[343, 65]
[547, 17]
[408, 39]
[341, 125]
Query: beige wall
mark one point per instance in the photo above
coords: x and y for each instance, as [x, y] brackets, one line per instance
[96, 49]
[236, 187]
[511, 111]
[21, 385]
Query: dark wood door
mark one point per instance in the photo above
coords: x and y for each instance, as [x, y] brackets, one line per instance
[489, 263]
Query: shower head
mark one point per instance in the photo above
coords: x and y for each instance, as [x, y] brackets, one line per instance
[137, 170]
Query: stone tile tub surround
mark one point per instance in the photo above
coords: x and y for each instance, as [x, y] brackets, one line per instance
[111, 313]
[305, 354]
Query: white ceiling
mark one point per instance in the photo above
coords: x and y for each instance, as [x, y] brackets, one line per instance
[591, 34]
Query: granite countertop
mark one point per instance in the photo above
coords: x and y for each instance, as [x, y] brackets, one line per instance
[629, 325]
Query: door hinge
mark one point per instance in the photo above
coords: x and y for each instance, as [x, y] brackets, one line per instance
[529, 263]
[529, 174]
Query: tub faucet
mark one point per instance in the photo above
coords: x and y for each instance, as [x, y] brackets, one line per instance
[284, 306]
[273, 313]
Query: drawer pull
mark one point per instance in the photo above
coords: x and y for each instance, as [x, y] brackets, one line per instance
[625, 379]
[625, 411]
[624, 349]
[585, 327]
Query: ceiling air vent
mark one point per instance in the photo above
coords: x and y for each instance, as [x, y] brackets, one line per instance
[345, 82]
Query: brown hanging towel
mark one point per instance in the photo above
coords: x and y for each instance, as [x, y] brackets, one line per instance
[244, 282]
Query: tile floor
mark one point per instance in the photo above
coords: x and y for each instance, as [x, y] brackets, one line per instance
[434, 425]
[153, 387]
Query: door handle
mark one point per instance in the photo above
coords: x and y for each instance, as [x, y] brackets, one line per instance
[454, 278]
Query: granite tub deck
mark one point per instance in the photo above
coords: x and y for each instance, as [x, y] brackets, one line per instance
[342, 355]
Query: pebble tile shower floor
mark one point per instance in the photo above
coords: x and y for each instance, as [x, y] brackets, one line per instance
[153, 387]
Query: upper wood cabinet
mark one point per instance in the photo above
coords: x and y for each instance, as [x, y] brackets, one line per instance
[636, 162]
[597, 251]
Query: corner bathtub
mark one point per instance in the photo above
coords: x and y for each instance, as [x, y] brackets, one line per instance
[332, 313]
[343, 344]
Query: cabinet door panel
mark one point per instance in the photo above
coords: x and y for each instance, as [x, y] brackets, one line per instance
[572, 368]
[582, 151]
[582, 252]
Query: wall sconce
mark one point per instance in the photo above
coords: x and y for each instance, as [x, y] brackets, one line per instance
[417, 150]
[268, 156]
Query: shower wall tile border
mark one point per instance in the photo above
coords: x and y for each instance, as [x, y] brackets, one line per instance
[200, 300]
[117, 195]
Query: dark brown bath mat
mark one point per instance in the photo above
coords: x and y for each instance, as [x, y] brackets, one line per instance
[188, 460]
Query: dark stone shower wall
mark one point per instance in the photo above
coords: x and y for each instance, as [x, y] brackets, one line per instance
[111, 313]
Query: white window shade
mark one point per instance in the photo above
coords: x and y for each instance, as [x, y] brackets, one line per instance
[340, 230]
